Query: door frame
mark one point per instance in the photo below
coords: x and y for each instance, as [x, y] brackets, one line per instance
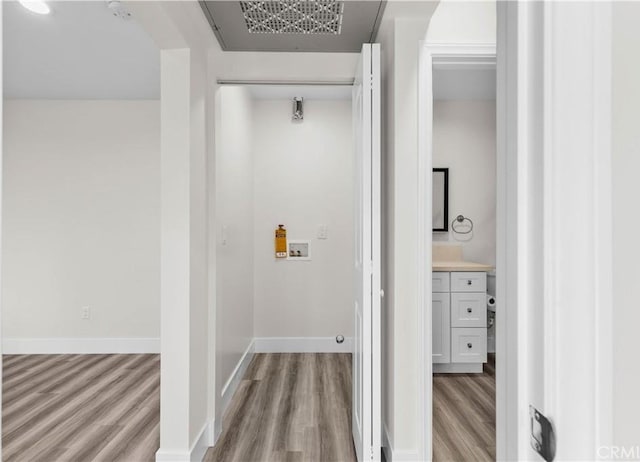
[553, 80]
[445, 56]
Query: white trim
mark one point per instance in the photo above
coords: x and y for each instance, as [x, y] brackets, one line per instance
[107, 345]
[391, 455]
[230, 387]
[577, 266]
[197, 451]
[302, 345]
[507, 325]
[201, 444]
[458, 368]
[442, 56]
[425, 226]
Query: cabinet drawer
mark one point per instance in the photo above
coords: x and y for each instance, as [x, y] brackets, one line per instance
[440, 282]
[469, 309]
[468, 345]
[469, 282]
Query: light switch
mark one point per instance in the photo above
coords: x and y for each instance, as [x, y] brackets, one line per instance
[323, 232]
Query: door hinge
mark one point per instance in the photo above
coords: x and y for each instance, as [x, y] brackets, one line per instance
[372, 454]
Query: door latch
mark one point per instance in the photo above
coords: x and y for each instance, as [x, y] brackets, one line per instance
[543, 438]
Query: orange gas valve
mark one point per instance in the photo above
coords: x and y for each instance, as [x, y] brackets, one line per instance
[281, 242]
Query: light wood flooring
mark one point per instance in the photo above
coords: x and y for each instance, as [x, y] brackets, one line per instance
[290, 408]
[80, 408]
[464, 416]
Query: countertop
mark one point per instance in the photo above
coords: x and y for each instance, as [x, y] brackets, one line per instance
[459, 265]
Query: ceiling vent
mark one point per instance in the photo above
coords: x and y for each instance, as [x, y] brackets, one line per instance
[293, 16]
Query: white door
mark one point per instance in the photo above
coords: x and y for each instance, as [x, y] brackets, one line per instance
[366, 396]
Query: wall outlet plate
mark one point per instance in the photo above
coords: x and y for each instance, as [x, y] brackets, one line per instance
[298, 250]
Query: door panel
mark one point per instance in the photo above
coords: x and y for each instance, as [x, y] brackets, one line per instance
[366, 356]
[441, 331]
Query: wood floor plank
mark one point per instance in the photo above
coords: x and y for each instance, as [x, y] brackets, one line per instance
[290, 408]
[464, 416]
[81, 407]
[58, 408]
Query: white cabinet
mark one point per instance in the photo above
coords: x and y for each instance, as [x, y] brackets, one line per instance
[459, 333]
[441, 328]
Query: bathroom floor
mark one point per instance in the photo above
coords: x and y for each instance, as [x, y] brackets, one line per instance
[464, 415]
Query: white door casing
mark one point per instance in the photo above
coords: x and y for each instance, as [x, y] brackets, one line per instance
[366, 408]
[445, 56]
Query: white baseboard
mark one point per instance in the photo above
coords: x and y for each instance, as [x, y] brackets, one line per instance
[114, 345]
[202, 443]
[196, 453]
[233, 381]
[302, 345]
[392, 455]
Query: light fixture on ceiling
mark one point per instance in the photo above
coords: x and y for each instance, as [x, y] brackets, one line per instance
[36, 6]
[298, 113]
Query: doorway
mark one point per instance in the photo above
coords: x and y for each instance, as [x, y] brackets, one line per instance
[297, 158]
[463, 261]
[458, 142]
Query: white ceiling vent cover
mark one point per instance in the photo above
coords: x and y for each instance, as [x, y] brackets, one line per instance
[293, 16]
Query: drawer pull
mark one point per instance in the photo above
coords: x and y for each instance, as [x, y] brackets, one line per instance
[469, 282]
[469, 345]
[469, 310]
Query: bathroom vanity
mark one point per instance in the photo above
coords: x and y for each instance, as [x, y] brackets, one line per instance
[459, 296]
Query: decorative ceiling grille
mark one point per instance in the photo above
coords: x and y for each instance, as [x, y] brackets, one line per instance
[293, 16]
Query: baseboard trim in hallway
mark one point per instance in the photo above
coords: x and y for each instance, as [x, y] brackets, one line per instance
[80, 346]
[230, 387]
[391, 455]
[302, 345]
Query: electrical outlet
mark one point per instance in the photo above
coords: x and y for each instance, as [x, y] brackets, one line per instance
[85, 313]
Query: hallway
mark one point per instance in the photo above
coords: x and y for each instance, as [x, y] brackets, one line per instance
[290, 407]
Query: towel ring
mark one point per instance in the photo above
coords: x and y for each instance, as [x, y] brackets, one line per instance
[460, 221]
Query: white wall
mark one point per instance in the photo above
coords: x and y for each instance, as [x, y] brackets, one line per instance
[626, 222]
[81, 219]
[234, 247]
[400, 37]
[304, 178]
[464, 140]
[457, 21]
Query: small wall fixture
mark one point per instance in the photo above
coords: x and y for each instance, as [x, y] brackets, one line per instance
[298, 113]
[35, 6]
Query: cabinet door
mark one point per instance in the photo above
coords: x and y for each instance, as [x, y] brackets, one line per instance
[441, 328]
[440, 282]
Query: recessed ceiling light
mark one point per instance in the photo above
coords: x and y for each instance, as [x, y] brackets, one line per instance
[36, 6]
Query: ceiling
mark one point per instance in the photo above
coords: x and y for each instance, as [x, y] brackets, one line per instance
[79, 51]
[464, 84]
[294, 25]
